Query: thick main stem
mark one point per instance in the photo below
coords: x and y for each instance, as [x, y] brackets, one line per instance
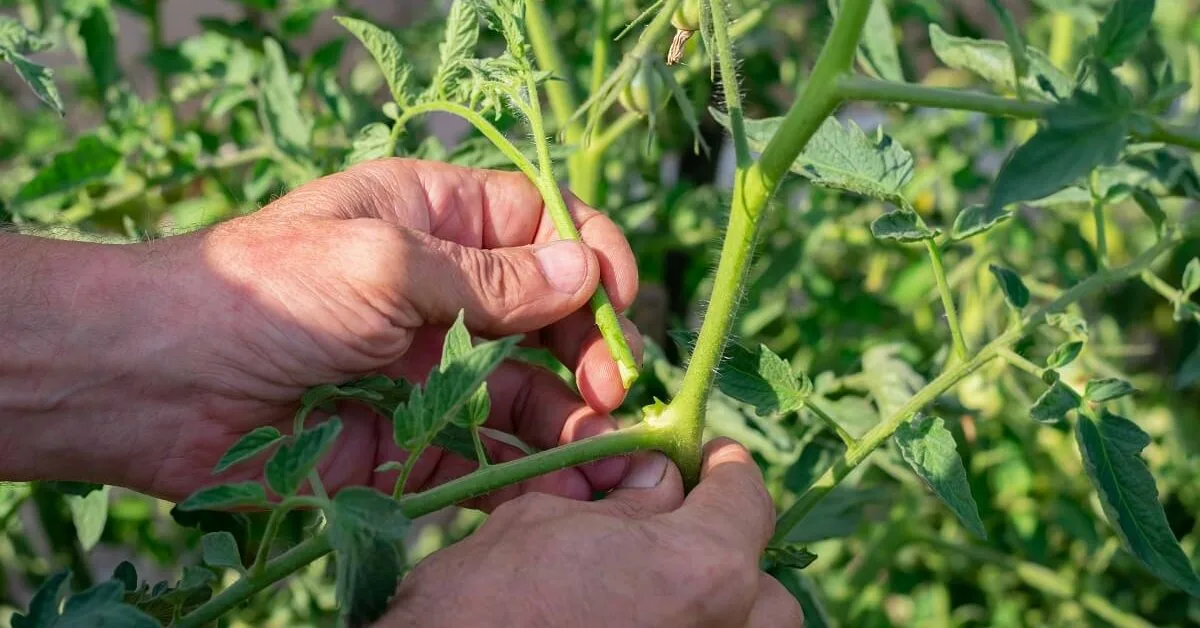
[753, 189]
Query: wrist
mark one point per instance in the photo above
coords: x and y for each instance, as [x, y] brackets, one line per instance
[79, 334]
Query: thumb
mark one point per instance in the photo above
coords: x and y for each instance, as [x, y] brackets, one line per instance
[652, 486]
[503, 291]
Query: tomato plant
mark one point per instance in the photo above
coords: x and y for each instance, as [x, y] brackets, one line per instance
[952, 313]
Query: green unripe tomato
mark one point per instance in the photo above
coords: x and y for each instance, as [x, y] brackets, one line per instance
[687, 16]
[645, 92]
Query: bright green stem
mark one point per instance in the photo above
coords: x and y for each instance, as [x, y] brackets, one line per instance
[944, 382]
[1098, 218]
[637, 438]
[543, 178]
[560, 92]
[814, 406]
[727, 62]
[875, 90]
[939, 273]
[1170, 293]
[753, 189]
[1020, 361]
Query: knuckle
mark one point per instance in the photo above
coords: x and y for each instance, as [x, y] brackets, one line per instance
[495, 278]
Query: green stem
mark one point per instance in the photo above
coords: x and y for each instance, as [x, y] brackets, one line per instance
[264, 546]
[606, 314]
[875, 90]
[944, 382]
[751, 194]
[939, 273]
[480, 452]
[560, 92]
[605, 139]
[1020, 361]
[1098, 218]
[1168, 292]
[637, 438]
[815, 407]
[727, 63]
[405, 471]
[480, 123]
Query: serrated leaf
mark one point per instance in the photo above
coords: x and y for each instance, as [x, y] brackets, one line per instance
[758, 378]
[100, 605]
[226, 496]
[1079, 136]
[290, 130]
[15, 42]
[457, 48]
[1107, 389]
[457, 342]
[295, 459]
[373, 141]
[220, 550]
[249, 445]
[902, 225]
[877, 51]
[1064, 354]
[365, 529]
[976, 219]
[842, 157]
[991, 61]
[1015, 292]
[386, 51]
[1122, 30]
[90, 160]
[929, 448]
[1110, 447]
[89, 514]
[789, 556]
[432, 407]
[1054, 404]
[1014, 41]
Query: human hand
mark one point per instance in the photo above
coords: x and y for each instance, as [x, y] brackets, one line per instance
[643, 556]
[354, 273]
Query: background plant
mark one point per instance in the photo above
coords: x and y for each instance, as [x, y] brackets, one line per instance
[964, 304]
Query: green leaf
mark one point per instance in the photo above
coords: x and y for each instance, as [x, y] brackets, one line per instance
[902, 225]
[81, 489]
[1069, 323]
[1189, 371]
[290, 130]
[1122, 30]
[373, 141]
[976, 219]
[294, 460]
[432, 407]
[226, 496]
[991, 61]
[758, 378]
[458, 342]
[1054, 404]
[789, 555]
[366, 528]
[891, 381]
[1110, 447]
[220, 550]
[100, 605]
[1079, 136]
[1191, 278]
[89, 514]
[386, 51]
[877, 51]
[1064, 354]
[1107, 389]
[248, 446]
[1149, 206]
[456, 50]
[929, 448]
[1015, 292]
[98, 31]
[842, 157]
[15, 42]
[90, 160]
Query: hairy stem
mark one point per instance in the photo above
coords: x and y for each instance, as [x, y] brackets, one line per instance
[481, 124]
[939, 273]
[868, 89]
[727, 64]
[943, 383]
[752, 192]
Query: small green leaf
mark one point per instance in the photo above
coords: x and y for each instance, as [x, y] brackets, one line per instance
[248, 446]
[1149, 206]
[226, 496]
[842, 157]
[991, 60]
[1191, 278]
[929, 448]
[15, 42]
[758, 378]
[126, 574]
[1122, 30]
[386, 51]
[458, 340]
[294, 460]
[1079, 136]
[1015, 292]
[1107, 389]
[90, 160]
[1110, 447]
[456, 51]
[290, 130]
[902, 225]
[98, 31]
[1054, 404]
[101, 605]
[1064, 354]
[373, 141]
[220, 550]
[789, 555]
[366, 528]
[877, 51]
[89, 514]
[976, 219]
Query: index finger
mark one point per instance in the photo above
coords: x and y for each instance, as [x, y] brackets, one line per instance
[731, 498]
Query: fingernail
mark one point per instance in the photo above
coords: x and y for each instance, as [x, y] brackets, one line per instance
[645, 471]
[564, 265]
